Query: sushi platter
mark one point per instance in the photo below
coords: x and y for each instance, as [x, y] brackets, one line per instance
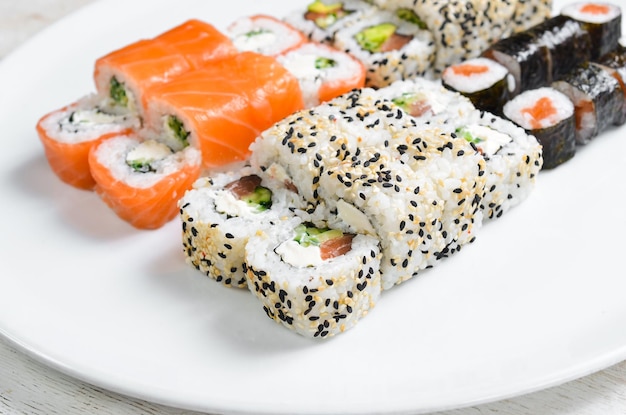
[125, 283]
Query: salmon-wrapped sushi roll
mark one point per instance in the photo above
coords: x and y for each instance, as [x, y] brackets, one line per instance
[142, 180]
[68, 133]
[221, 108]
[264, 34]
[125, 74]
[323, 71]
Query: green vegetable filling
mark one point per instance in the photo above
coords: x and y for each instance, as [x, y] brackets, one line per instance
[465, 133]
[117, 92]
[308, 234]
[178, 130]
[407, 99]
[325, 63]
[373, 37]
[261, 198]
[410, 16]
[257, 32]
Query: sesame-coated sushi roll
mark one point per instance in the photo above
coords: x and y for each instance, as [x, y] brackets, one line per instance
[602, 20]
[529, 13]
[264, 34]
[315, 280]
[68, 133]
[125, 74]
[323, 18]
[428, 101]
[221, 212]
[513, 158]
[486, 83]
[391, 47]
[597, 96]
[323, 71]
[462, 29]
[548, 115]
[142, 180]
[417, 189]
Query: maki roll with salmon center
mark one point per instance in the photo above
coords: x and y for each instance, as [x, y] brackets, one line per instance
[220, 213]
[68, 134]
[142, 180]
[597, 96]
[314, 280]
[615, 63]
[486, 83]
[548, 115]
[603, 21]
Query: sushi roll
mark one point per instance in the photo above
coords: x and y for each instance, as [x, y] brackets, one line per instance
[548, 115]
[529, 13]
[124, 75]
[67, 134]
[264, 34]
[142, 180]
[220, 109]
[391, 47]
[597, 96]
[462, 29]
[603, 21]
[315, 280]
[323, 18]
[485, 82]
[428, 102]
[615, 63]
[525, 57]
[513, 158]
[417, 189]
[568, 43]
[221, 212]
[323, 72]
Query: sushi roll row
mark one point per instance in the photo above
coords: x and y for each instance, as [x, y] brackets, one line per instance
[559, 79]
[192, 89]
[513, 158]
[310, 271]
[353, 197]
[402, 39]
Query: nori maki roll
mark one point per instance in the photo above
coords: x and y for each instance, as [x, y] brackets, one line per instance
[568, 43]
[548, 115]
[597, 96]
[486, 83]
[615, 63]
[526, 57]
[603, 21]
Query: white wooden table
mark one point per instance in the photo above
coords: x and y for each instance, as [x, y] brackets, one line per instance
[29, 387]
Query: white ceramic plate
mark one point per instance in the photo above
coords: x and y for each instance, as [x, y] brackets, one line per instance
[537, 300]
